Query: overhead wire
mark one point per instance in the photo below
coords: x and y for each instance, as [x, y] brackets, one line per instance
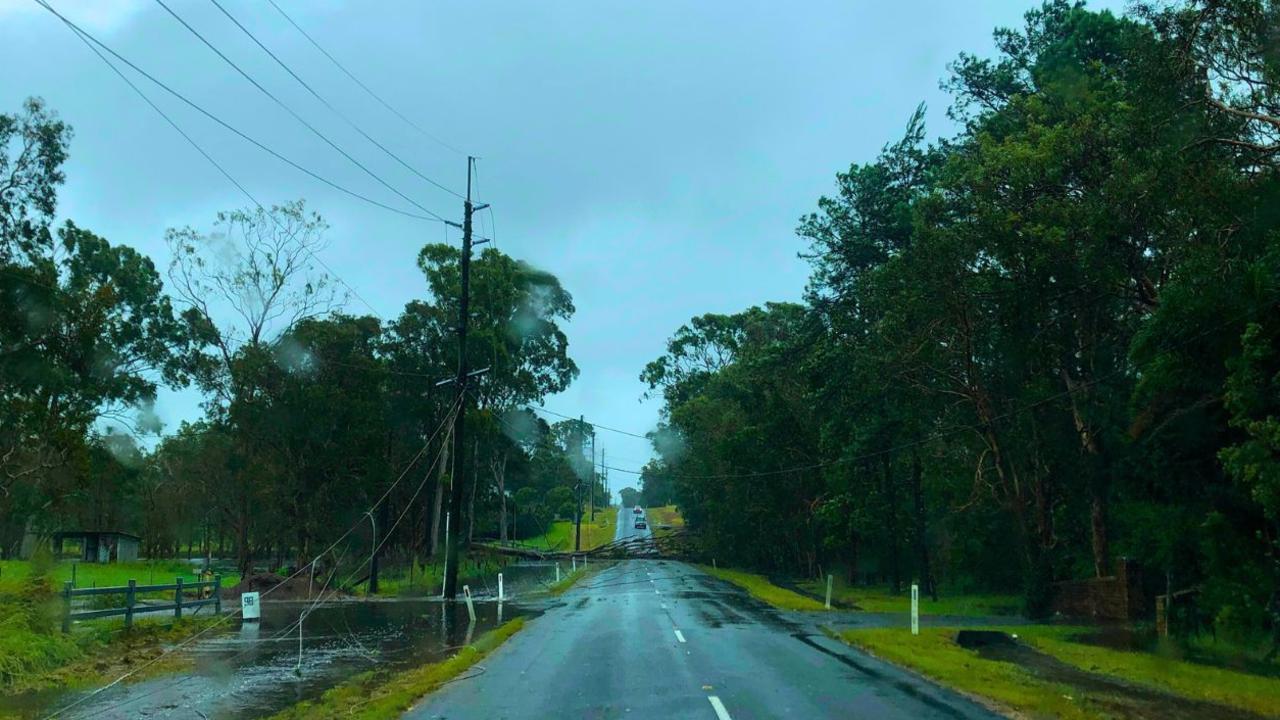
[330, 105]
[363, 86]
[90, 42]
[222, 620]
[89, 39]
[295, 115]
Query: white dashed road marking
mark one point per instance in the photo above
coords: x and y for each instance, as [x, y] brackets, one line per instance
[718, 706]
[680, 636]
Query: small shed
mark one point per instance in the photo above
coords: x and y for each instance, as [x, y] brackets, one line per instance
[101, 546]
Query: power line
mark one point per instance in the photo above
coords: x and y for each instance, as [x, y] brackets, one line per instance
[295, 115]
[230, 178]
[362, 86]
[541, 409]
[86, 36]
[168, 651]
[329, 105]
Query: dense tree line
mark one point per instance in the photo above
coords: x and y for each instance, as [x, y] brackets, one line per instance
[310, 415]
[1025, 350]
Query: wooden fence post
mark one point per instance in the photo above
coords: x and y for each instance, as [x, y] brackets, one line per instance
[217, 594]
[66, 606]
[177, 600]
[130, 596]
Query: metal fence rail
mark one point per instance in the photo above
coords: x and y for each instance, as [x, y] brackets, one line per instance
[131, 606]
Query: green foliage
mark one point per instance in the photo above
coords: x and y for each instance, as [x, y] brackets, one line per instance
[1027, 349]
[630, 497]
[31, 641]
[86, 333]
[310, 413]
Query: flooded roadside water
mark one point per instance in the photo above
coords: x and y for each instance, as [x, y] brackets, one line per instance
[252, 670]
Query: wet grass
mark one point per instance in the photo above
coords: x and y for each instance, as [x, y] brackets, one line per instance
[378, 695]
[559, 588]
[428, 578]
[760, 588]
[560, 534]
[13, 573]
[933, 654]
[35, 654]
[1019, 687]
[880, 600]
[1242, 690]
[665, 519]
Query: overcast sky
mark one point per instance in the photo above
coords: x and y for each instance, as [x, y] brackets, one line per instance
[654, 155]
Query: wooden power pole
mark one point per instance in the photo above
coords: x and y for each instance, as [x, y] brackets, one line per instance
[459, 422]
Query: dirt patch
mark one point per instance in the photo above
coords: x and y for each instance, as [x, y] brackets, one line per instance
[299, 588]
[1121, 699]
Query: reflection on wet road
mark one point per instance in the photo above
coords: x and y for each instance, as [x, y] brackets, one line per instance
[661, 639]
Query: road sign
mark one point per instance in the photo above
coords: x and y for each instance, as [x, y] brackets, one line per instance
[250, 608]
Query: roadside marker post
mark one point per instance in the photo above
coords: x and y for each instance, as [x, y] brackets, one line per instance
[446, 556]
[501, 596]
[471, 608]
[829, 580]
[557, 572]
[575, 563]
[915, 609]
[250, 609]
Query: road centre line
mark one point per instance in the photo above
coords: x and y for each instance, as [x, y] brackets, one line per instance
[718, 706]
[680, 636]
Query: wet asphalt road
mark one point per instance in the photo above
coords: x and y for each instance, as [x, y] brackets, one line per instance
[626, 526]
[661, 639]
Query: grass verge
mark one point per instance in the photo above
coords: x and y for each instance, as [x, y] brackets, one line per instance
[560, 534]
[35, 654]
[1241, 690]
[760, 588]
[664, 519]
[379, 695]
[934, 654]
[14, 573]
[427, 578]
[560, 588]
[878, 600]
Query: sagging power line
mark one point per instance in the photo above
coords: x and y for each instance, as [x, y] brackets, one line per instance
[295, 115]
[363, 86]
[345, 118]
[89, 39]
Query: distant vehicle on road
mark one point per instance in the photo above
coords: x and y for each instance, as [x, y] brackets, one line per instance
[642, 525]
[638, 511]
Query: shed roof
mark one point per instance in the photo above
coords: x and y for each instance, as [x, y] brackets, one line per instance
[87, 533]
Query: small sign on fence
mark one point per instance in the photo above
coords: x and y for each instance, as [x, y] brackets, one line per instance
[250, 609]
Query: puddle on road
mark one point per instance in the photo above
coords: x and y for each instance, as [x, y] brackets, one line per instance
[254, 670]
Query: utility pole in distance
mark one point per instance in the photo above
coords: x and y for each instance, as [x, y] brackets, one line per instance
[577, 463]
[459, 420]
